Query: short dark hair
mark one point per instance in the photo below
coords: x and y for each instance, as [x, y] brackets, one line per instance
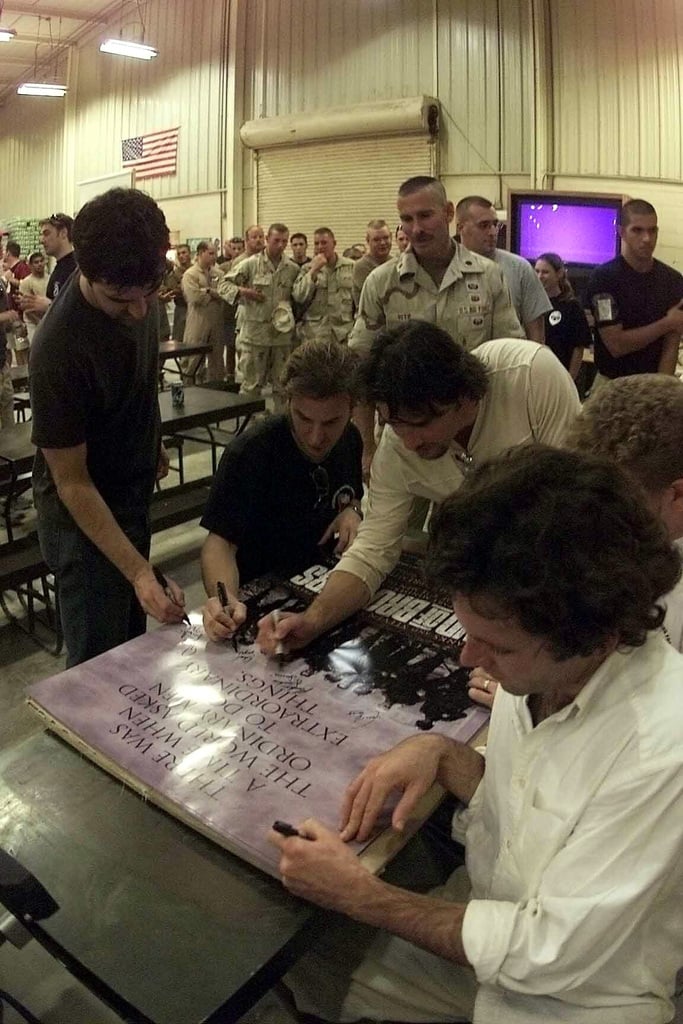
[635, 208]
[203, 246]
[14, 249]
[561, 542]
[121, 237]
[421, 181]
[324, 231]
[321, 369]
[465, 205]
[298, 234]
[61, 221]
[418, 367]
[236, 240]
[37, 255]
[281, 228]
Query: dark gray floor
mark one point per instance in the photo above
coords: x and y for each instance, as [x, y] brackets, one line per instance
[31, 975]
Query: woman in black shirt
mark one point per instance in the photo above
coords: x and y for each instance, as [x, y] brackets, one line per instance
[566, 329]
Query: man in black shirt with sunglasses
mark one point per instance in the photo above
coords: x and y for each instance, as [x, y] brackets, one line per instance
[287, 492]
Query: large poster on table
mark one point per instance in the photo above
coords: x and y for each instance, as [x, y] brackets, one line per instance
[228, 740]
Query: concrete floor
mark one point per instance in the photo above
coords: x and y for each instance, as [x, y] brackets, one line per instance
[31, 975]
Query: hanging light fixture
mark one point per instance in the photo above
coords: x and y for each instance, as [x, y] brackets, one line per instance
[127, 48]
[7, 35]
[41, 89]
[123, 48]
[38, 88]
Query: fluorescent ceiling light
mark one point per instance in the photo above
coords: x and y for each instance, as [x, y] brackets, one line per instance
[124, 49]
[7, 35]
[41, 89]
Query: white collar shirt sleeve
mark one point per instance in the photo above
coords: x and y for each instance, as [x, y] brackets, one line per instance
[574, 842]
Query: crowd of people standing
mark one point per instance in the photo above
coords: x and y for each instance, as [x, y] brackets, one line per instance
[552, 533]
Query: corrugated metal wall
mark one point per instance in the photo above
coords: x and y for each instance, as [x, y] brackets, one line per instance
[305, 55]
[614, 90]
[475, 55]
[617, 70]
[32, 157]
[119, 98]
[111, 99]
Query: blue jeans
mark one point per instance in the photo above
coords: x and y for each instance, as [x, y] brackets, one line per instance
[98, 607]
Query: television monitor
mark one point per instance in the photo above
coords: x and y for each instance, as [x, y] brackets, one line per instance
[580, 227]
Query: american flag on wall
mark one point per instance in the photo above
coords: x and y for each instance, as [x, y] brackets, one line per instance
[151, 155]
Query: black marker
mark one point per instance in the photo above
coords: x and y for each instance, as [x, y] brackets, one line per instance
[163, 582]
[285, 829]
[222, 595]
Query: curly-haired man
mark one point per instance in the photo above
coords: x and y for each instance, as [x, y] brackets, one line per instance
[573, 821]
[637, 422]
[96, 426]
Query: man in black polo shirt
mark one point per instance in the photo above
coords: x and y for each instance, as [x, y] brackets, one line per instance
[96, 425]
[637, 302]
[288, 490]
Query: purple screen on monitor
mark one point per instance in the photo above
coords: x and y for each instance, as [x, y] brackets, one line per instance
[579, 234]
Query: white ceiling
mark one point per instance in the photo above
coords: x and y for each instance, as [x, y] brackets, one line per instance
[45, 30]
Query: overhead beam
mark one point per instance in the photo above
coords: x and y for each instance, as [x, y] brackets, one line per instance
[31, 10]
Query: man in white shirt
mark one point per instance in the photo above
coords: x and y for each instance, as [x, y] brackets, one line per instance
[445, 409]
[637, 422]
[477, 224]
[574, 821]
[34, 284]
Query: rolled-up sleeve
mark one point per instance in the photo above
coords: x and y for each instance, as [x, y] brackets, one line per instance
[553, 402]
[589, 897]
[377, 547]
[371, 316]
[229, 286]
[304, 287]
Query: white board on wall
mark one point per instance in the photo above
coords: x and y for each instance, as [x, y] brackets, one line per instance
[193, 217]
[92, 187]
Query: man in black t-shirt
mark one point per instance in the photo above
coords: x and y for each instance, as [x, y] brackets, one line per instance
[637, 302]
[55, 236]
[287, 491]
[96, 425]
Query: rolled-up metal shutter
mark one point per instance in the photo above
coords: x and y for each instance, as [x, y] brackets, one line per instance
[341, 182]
